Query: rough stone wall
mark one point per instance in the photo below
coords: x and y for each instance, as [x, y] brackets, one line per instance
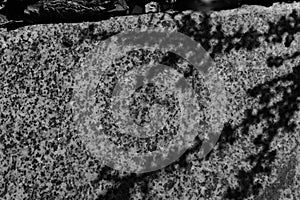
[256, 52]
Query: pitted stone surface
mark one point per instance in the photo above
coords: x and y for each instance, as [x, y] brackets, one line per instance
[256, 51]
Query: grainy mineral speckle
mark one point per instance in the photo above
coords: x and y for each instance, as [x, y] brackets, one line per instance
[42, 157]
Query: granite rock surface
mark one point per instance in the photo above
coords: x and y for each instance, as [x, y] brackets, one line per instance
[256, 51]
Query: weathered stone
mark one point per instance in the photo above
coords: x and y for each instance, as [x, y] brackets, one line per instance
[256, 53]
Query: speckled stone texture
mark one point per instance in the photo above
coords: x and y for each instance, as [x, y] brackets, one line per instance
[256, 51]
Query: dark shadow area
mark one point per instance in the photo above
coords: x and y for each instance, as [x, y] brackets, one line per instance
[213, 5]
[285, 108]
[137, 6]
[47, 12]
[20, 13]
[285, 180]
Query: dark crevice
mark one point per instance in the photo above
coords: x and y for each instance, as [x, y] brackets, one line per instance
[23, 13]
